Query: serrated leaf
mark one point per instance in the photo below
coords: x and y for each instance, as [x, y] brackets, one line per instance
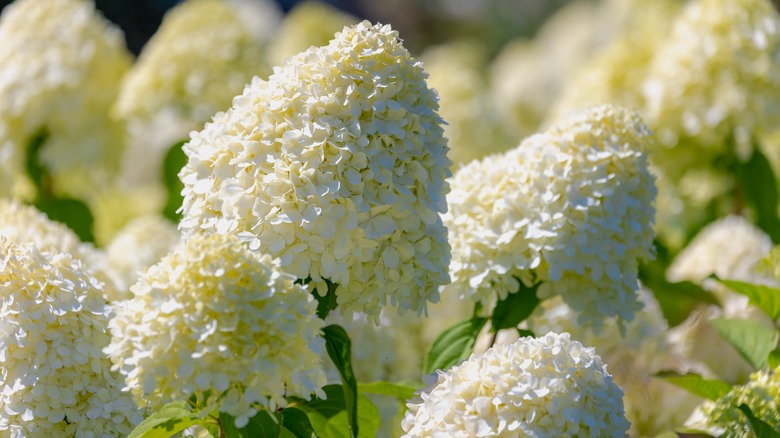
[173, 162]
[295, 423]
[261, 425]
[696, 384]
[515, 308]
[339, 348]
[760, 428]
[397, 390]
[454, 345]
[752, 340]
[168, 421]
[328, 416]
[764, 297]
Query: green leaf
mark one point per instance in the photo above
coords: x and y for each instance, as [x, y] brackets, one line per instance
[261, 425]
[174, 160]
[752, 340]
[71, 212]
[35, 170]
[515, 308]
[340, 351]
[454, 345]
[773, 358]
[525, 333]
[397, 390]
[325, 303]
[295, 423]
[168, 421]
[677, 300]
[760, 428]
[764, 297]
[759, 191]
[696, 384]
[328, 417]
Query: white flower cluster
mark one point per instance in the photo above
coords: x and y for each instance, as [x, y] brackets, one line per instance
[336, 165]
[722, 418]
[572, 208]
[216, 320]
[26, 224]
[53, 326]
[716, 76]
[633, 357]
[140, 244]
[547, 387]
[61, 61]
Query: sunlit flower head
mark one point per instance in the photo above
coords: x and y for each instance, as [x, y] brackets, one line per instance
[53, 327]
[571, 208]
[218, 321]
[549, 386]
[336, 165]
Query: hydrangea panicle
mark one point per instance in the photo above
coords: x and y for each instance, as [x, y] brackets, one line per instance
[216, 320]
[547, 387]
[336, 165]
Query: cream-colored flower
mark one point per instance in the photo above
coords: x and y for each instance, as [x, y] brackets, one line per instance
[61, 65]
[139, 245]
[216, 320]
[633, 356]
[473, 127]
[200, 58]
[549, 387]
[723, 418]
[715, 77]
[336, 165]
[310, 23]
[53, 326]
[25, 224]
[571, 208]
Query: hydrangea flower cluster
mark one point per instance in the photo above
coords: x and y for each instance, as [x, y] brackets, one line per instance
[26, 224]
[216, 320]
[571, 208]
[140, 244]
[61, 61]
[716, 75]
[722, 417]
[548, 386]
[336, 165]
[53, 326]
[633, 357]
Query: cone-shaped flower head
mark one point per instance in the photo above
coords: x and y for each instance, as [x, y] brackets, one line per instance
[546, 387]
[571, 208]
[723, 418]
[53, 327]
[61, 66]
[216, 320]
[716, 76]
[336, 165]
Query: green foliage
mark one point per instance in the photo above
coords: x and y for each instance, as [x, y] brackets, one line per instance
[760, 428]
[329, 418]
[696, 384]
[515, 308]
[752, 340]
[174, 160]
[764, 297]
[773, 358]
[339, 348]
[400, 391]
[169, 420]
[759, 192]
[295, 423]
[454, 345]
[325, 303]
[677, 300]
[261, 425]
